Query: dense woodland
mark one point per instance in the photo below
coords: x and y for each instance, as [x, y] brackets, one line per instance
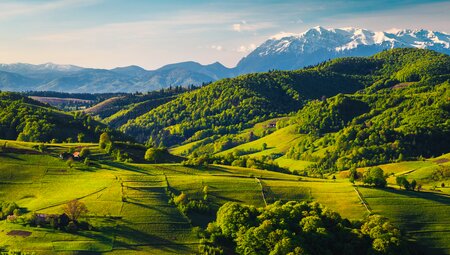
[230, 105]
[24, 119]
[298, 228]
[394, 119]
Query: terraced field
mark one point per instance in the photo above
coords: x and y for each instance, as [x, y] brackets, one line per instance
[424, 216]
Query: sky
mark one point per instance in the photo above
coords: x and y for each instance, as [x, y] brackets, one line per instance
[148, 33]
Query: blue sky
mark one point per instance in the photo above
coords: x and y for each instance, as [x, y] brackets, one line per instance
[110, 33]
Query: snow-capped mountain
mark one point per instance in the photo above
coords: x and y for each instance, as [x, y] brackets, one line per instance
[27, 69]
[287, 51]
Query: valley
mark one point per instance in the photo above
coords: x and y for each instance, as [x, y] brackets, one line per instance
[352, 152]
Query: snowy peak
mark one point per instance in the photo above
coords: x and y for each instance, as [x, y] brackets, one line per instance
[23, 68]
[340, 39]
[292, 51]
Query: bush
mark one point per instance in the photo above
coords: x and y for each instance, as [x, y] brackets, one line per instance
[85, 152]
[8, 208]
[155, 155]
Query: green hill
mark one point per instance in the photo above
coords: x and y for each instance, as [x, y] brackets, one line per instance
[118, 109]
[24, 119]
[402, 114]
[231, 105]
[389, 121]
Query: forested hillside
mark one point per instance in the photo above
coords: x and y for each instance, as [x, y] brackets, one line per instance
[123, 105]
[24, 119]
[405, 115]
[231, 105]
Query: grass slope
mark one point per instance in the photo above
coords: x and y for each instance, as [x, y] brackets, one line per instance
[277, 142]
[127, 202]
[129, 207]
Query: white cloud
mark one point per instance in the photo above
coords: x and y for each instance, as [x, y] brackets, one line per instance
[237, 27]
[10, 9]
[246, 49]
[184, 24]
[245, 26]
[217, 47]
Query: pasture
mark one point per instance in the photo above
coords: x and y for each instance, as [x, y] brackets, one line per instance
[128, 204]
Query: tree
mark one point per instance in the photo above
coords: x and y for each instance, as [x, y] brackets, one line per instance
[375, 176]
[154, 154]
[264, 146]
[406, 184]
[104, 140]
[42, 147]
[232, 216]
[87, 161]
[80, 137]
[353, 174]
[181, 199]
[413, 185]
[399, 180]
[386, 237]
[69, 162]
[75, 209]
[205, 192]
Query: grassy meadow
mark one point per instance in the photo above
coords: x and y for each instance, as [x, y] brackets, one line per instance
[130, 214]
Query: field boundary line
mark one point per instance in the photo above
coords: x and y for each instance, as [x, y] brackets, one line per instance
[66, 201]
[362, 199]
[262, 190]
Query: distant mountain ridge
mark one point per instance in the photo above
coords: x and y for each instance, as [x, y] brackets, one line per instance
[69, 78]
[282, 52]
[293, 51]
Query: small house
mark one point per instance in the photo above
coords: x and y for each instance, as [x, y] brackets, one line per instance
[272, 124]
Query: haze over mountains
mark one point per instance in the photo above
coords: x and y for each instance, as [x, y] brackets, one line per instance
[284, 52]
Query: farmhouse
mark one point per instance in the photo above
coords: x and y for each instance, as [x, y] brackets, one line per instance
[76, 155]
[272, 124]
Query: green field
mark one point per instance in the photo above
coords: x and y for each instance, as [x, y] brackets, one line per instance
[424, 216]
[277, 142]
[129, 208]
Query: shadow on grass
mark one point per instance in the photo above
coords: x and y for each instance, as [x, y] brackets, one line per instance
[443, 199]
[201, 220]
[124, 166]
[124, 237]
[10, 156]
[156, 208]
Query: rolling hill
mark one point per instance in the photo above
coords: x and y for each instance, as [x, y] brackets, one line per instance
[28, 120]
[232, 105]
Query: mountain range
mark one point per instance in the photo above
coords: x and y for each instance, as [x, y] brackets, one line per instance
[284, 51]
